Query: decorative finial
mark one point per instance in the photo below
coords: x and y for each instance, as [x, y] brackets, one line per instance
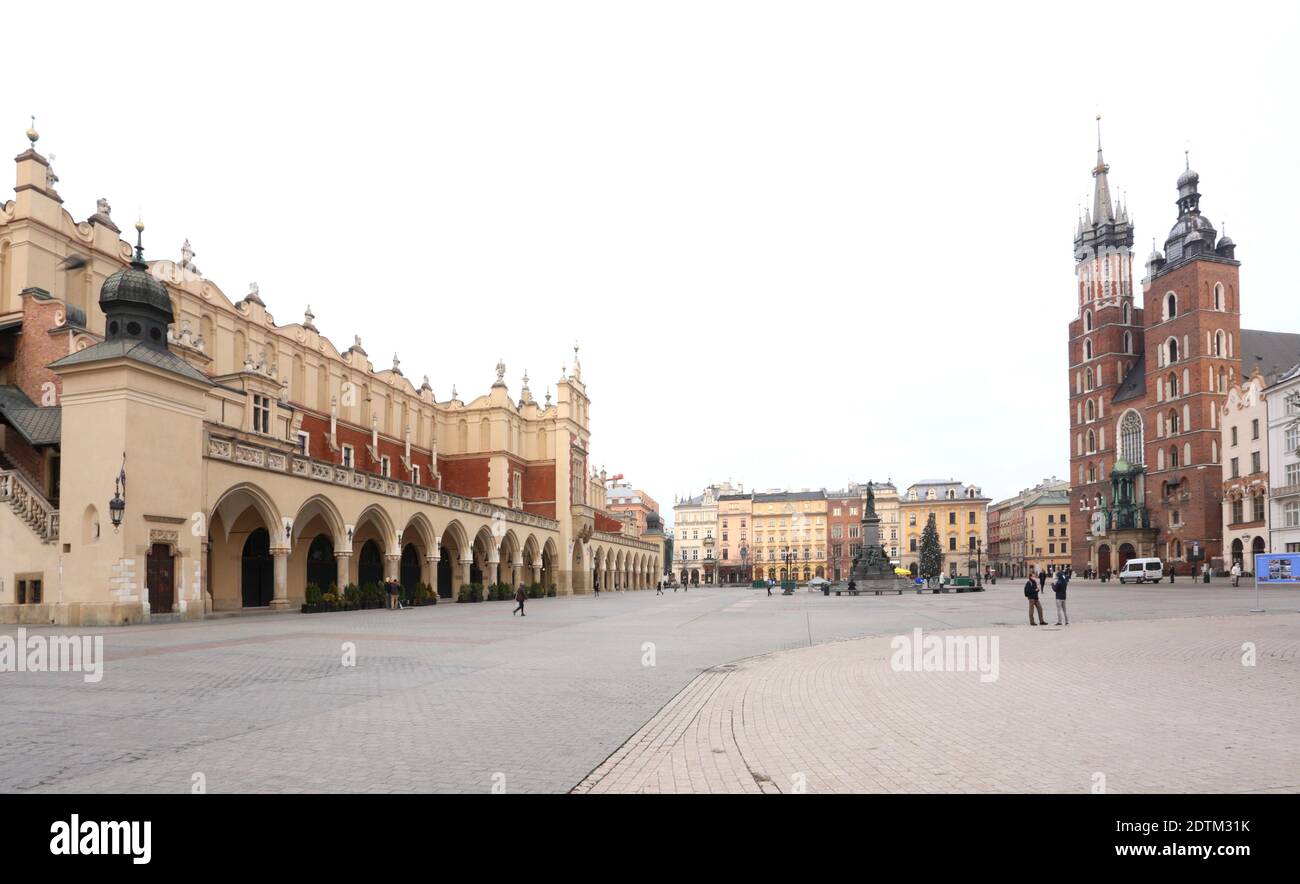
[1099, 130]
[548, 395]
[32, 135]
[501, 373]
[425, 385]
[1187, 161]
[397, 365]
[309, 318]
[139, 242]
[454, 394]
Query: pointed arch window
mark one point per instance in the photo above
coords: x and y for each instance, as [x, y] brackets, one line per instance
[1087, 349]
[1128, 342]
[1127, 315]
[1171, 305]
[1130, 437]
[1087, 321]
[1218, 296]
[1088, 379]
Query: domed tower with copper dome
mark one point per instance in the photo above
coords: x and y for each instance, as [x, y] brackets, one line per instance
[1193, 342]
[135, 302]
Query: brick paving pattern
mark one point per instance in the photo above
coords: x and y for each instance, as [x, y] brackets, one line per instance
[447, 698]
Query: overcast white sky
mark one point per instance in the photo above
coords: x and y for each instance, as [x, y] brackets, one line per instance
[800, 243]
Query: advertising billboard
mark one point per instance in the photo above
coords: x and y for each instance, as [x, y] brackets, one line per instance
[1277, 568]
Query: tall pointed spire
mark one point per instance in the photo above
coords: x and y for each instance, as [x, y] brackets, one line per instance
[1102, 211]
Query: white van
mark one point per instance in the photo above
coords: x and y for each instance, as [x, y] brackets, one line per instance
[1142, 571]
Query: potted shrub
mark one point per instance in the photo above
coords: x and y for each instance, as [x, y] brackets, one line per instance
[351, 597]
[552, 592]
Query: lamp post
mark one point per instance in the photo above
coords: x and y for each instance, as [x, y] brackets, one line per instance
[979, 562]
[117, 506]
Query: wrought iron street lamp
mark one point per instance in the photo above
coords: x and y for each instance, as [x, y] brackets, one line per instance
[117, 506]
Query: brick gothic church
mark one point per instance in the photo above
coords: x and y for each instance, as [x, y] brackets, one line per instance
[1147, 379]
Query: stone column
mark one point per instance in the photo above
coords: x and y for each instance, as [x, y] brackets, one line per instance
[464, 571]
[342, 562]
[280, 557]
[492, 574]
[537, 574]
[515, 568]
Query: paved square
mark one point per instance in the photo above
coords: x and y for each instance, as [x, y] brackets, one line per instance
[1147, 688]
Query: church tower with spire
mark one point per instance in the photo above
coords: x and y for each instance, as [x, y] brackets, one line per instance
[1105, 346]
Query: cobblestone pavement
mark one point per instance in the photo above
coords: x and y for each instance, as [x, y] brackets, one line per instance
[457, 698]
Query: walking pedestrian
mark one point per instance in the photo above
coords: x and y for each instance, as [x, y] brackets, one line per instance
[1062, 583]
[595, 587]
[1031, 593]
[1171, 572]
[1042, 581]
[520, 595]
[659, 588]
[1236, 573]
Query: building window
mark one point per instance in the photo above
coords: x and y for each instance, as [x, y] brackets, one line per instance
[1233, 434]
[28, 591]
[415, 474]
[1130, 437]
[304, 443]
[1234, 465]
[261, 414]
[1291, 515]
[1254, 428]
[385, 467]
[349, 457]
[517, 491]
[952, 544]
[1237, 512]
[952, 517]
[1254, 462]
[1257, 505]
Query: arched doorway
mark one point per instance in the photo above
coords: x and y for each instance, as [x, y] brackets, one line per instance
[160, 578]
[913, 568]
[1126, 552]
[322, 570]
[410, 574]
[1238, 552]
[1256, 549]
[444, 572]
[370, 567]
[1103, 558]
[257, 570]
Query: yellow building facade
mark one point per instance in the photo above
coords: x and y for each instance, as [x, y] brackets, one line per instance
[960, 513]
[789, 535]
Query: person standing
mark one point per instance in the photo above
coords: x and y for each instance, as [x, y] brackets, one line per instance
[595, 586]
[520, 595]
[1062, 583]
[659, 588]
[1031, 593]
[1042, 582]
[391, 587]
[1236, 573]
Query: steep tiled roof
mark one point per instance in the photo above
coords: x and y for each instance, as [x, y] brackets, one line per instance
[38, 425]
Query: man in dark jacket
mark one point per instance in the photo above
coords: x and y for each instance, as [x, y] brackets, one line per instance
[520, 595]
[1062, 583]
[1031, 593]
[1042, 581]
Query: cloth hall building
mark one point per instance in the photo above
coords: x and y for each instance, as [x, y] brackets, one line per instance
[1151, 365]
[168, 451]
